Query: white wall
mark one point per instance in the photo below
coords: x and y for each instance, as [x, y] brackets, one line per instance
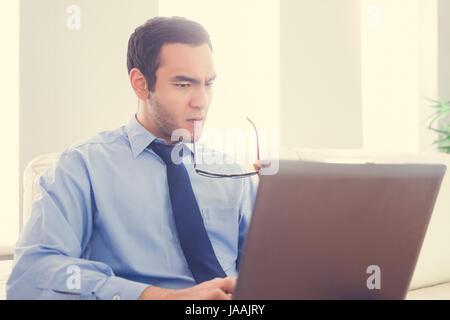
[444, 48]
[9, 127]
[74, 82]
[428, 69]
[399, 69]
[320, 74]
[354, 74]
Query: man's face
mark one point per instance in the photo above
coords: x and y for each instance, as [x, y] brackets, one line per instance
[183, 89]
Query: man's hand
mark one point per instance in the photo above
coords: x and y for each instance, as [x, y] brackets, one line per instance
[261, 164]
[216, 289]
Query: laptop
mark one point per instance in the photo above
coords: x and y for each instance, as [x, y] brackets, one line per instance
[337, 231]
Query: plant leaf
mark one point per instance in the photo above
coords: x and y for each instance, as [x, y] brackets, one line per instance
[446, 149]
[440, 131]
[442, 140]
[432, 100]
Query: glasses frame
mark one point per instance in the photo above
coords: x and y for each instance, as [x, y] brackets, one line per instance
[221, 175]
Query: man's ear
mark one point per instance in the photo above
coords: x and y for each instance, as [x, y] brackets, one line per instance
[139, 84]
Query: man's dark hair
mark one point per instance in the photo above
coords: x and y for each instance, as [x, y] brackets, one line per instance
[145, 43]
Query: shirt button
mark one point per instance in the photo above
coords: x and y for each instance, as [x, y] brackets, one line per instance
[116, 297]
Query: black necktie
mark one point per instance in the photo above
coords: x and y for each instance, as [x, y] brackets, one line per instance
[194, 240]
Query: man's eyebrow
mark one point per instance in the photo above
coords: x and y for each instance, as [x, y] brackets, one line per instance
[212, 78]
[189, 79]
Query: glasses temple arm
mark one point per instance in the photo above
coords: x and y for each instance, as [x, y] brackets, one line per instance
[257, 139]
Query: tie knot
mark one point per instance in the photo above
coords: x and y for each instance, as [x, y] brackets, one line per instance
[164, 151]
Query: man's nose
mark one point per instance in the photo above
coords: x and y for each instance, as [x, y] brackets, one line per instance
[200, 98]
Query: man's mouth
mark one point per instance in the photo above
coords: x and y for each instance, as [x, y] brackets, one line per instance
[197, 122]
[195, 119]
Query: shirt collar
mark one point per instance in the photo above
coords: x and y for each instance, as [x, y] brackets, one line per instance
[140, 138]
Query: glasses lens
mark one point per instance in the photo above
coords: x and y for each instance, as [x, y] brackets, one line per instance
[224, 175]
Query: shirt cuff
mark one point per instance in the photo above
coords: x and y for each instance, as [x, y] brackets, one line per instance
[116, 288]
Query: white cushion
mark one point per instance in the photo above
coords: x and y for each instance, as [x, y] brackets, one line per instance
[437, 292]
[31, 175]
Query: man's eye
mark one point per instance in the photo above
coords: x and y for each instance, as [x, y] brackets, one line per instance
[209, 84]
[182, 85]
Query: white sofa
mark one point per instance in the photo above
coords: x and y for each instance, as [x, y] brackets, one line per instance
[431, 278]
[31, 175]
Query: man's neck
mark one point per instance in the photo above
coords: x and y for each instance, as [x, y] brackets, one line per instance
[143, 121]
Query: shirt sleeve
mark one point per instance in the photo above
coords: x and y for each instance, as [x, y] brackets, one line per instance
[48, 263]
[245, 211]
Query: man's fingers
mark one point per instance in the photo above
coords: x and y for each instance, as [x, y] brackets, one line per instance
[261, 164]
[257, 165]
[228, 284]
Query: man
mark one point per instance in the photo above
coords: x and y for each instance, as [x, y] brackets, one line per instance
[117, 218]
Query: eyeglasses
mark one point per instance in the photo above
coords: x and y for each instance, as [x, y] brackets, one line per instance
[220, 175]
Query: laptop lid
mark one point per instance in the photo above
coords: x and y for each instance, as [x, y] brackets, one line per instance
[337, 231]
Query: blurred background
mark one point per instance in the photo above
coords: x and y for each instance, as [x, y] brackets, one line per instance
[341, 74]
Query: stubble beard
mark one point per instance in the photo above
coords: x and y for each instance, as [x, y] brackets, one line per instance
[163, 120]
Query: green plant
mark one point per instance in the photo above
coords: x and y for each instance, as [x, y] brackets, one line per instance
[442, 116]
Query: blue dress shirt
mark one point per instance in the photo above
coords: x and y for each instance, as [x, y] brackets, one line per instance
[103, 225]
